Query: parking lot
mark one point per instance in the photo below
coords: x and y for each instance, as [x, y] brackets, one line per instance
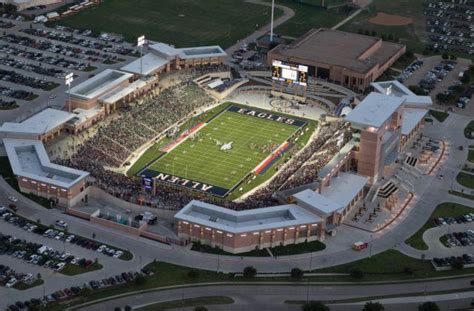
[450, 25]
[34, 60]
[434, 76]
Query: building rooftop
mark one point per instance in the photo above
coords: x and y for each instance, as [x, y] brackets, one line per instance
[333, 198]
[38, 124]
[340, 48]
[202, 52]
[118, 94]
[411, 117]
[101, 83]
[232, 221]
[28, 158]
[162, 54]
[344, 188]
[151, 63]
[395, 88]
[374, 110]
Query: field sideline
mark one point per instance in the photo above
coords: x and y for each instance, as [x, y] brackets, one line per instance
[200, 158]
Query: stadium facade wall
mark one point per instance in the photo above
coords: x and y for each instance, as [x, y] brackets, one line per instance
[236, 243]
[62, 197]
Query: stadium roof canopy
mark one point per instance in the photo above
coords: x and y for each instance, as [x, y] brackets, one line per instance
[39, 124]
[101, 83]
[374, 110]
[28, 158]
[356, 52]
[150, 62]
[232, 221]
[341, 191]
[395, 88]
[161, 54]
[411, 117]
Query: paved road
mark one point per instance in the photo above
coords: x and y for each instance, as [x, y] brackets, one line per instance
[273, 297]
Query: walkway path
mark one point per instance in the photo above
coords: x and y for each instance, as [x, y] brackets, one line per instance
[287, 14]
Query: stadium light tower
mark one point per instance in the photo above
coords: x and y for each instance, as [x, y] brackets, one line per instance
[271, 21]
[140, 43]
[68, 81]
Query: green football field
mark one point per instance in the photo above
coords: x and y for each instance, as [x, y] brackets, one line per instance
[183, 23]
[200, 158]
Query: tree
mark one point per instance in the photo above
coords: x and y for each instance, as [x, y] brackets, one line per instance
[315, 306]
[128, 308]
[85, 291]
[357, 273]
[453, 57]
[249, 272]
[409, 53]
[373, 306]
[117, 309]
[200, 308]
[390, 37]
[297, 273]
[38, 276]
[428, 306]
[445, 55]
[417, 90]
[466, 78]
[193, 274]
[374, 33]
[140, 279]
[457, 264]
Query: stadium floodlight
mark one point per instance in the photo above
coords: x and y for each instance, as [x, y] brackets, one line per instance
[271, 21]
[68, 81]
[141, 43]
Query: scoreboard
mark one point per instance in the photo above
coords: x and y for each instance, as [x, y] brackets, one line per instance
[289, 73]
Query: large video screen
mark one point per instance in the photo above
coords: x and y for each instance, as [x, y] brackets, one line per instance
[290, 73]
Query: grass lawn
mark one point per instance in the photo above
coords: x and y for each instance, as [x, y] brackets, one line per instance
[462, 195]
[292, 249]
[24, 286]
[465, 179]
[71, 270]
[469, 130]
[217, 251]
[186, 303]
[183, 23]
[439, 115]
[392, 265]
[470, 156]
[404, 61]
[308, 16]
[442, 210]
[413, 35]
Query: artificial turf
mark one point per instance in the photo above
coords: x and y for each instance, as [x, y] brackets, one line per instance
[200, 158]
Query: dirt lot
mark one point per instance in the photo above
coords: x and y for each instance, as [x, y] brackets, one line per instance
[390, 20]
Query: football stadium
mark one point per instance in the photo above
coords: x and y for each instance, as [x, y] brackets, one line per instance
[215, 156]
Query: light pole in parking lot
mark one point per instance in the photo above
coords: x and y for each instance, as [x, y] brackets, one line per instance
[68, 81]
[271, 21]
[140, 43]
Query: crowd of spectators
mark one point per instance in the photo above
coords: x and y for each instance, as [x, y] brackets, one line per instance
[117, 138]
[140, 122]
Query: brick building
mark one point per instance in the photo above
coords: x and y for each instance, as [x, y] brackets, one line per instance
[349, 59]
